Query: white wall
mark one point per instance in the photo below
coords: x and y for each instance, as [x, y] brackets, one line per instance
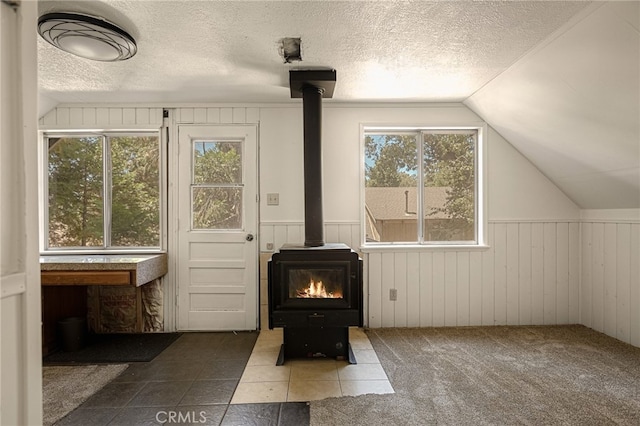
[530, 274]
[610, 280]
[281, 155]
[516, 189]
[20, 316]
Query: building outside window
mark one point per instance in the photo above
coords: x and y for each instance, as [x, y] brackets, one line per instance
[422, 186]
[103, 191]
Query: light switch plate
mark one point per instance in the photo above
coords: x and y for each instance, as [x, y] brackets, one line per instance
[273, 199]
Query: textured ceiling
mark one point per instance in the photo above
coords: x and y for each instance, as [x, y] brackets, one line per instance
[572, 107]
[228, 51]
[559, 80]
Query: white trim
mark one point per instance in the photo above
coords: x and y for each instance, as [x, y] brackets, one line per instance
[106, 135]
[59, 252]
[356, 222]
[290, 103]
[21, 323]
[32, 327]
[481, 185]
[190, 317]
[388, 248]
[170, 281]
[609, 221]
[72, 131]
[13, 285]
[529, 220]
[53, 128]
[610, 215]
[43, 193]
[301, 222]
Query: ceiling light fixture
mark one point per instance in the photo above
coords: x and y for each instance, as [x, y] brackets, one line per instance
[87, 36]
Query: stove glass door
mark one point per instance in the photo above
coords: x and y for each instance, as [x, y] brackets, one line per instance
[316, 283]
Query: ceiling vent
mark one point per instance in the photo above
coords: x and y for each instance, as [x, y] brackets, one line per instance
[290, 49]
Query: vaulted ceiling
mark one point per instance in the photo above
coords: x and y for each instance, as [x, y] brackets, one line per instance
[559, 80]
[572, 107]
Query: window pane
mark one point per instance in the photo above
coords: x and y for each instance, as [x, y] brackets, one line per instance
[217, 162]
[75, 192]
[391, 188]
[135, 193]
[449, 186]
[217, 208]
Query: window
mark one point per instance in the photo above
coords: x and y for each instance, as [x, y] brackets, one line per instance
[443, 163]
[103, 191]
[216, 190]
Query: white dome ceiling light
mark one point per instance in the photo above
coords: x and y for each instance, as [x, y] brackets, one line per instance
[87, 36]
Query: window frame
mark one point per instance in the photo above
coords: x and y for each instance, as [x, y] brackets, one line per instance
[480, 161]
[215, 185]
[43, 181]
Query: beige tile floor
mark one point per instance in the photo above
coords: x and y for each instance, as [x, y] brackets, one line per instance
[308, 380]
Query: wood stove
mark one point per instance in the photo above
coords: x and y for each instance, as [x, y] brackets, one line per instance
[315, 289]
[315, 294]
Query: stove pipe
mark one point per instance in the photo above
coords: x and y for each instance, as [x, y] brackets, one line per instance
[312, 86]
[313, 218]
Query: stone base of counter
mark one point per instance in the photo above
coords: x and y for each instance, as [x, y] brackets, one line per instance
[120, 309]
[153, 307]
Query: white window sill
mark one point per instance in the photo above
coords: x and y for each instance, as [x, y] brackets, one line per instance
[96, 252]
[421, 247]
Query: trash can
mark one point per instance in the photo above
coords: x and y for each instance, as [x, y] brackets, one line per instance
[73, 332]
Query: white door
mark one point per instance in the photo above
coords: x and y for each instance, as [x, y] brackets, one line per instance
[217, 215]
[20, 313]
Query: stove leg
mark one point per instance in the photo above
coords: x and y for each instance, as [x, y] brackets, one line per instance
[352, 357]
[280, 360]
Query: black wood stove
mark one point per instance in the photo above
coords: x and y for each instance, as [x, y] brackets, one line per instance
[315, 289]
[315, 294]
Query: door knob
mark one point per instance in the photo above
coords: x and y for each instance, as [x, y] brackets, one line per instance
[249, 237]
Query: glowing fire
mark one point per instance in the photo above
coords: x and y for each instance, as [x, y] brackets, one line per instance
[317, 290]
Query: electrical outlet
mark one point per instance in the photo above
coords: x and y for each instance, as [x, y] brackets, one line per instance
[269, 246]
[393, 294]
[273, 199]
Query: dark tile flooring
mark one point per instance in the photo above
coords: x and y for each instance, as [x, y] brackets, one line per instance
[189, 383]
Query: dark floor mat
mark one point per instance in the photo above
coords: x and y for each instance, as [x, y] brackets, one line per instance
[103, 348]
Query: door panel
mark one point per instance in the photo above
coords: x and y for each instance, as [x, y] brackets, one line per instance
[217, 195]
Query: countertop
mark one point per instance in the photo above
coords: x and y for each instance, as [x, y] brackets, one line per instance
[146, 267]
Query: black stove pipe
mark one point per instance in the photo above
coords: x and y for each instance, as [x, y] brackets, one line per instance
[313, 219]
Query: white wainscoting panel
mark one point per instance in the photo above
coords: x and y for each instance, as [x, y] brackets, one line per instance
[87, 117]
[528, 275]
[610, 284]
[218, 115]
[110, 117]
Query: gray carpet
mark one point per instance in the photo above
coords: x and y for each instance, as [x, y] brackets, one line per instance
[66, 387]
[568, 375]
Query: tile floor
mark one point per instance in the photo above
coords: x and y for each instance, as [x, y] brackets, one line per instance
[229, 379]
[308, 380]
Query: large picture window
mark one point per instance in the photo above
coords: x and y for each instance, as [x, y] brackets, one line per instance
[102, 191]
[421, 186]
